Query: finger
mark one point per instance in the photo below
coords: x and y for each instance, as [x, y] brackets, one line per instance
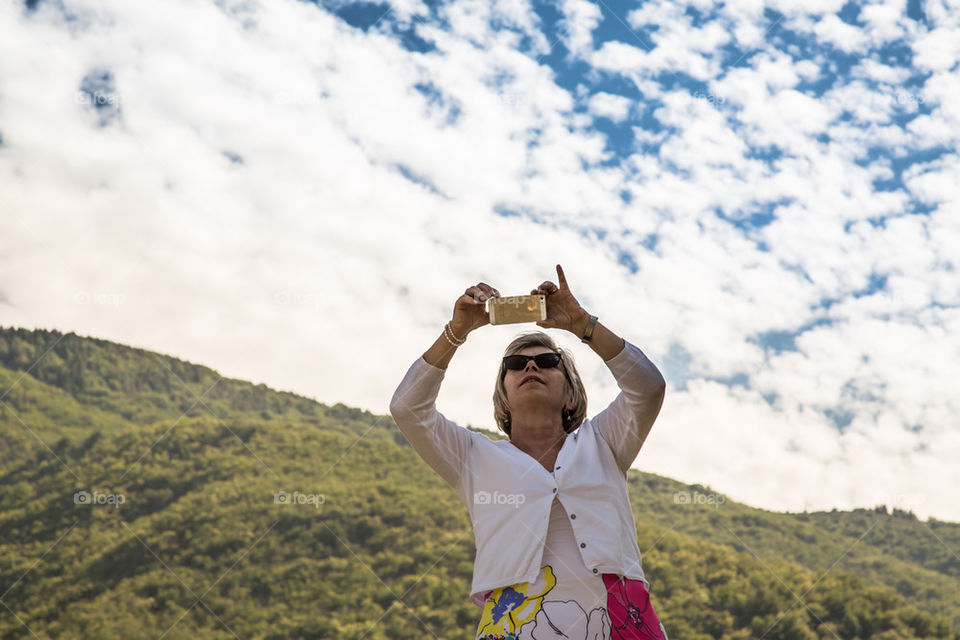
[547, 287]
[478, 293]
[489, 291]
[473, 295]
[562, 278]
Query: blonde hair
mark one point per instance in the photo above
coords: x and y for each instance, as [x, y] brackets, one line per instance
[571, 417]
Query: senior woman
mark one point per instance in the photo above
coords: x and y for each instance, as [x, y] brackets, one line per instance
[557, 553]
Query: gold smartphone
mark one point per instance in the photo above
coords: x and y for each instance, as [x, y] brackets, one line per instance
[517, 309]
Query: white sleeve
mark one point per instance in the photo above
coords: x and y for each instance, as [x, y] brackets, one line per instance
[624, 424]
[441, 443]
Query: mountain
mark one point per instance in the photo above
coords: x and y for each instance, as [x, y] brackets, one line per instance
[142, 496]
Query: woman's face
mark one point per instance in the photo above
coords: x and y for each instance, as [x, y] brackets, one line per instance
[533, 386]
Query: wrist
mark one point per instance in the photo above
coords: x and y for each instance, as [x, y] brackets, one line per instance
[460, 332]
[579, 325]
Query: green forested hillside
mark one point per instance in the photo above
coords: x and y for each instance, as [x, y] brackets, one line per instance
[871, 544]
[249, 513]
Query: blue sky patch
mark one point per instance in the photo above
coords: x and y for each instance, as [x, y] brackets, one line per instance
[409, 174]
[361, 15]
[439, 102]
[675, 366]
[232, 156]
[98, 92]
[840, 417]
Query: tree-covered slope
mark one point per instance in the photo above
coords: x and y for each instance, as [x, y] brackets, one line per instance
[88, 379]
[871, 544]
[267, 515]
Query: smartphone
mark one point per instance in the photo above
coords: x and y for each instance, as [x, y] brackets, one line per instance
[517, 309]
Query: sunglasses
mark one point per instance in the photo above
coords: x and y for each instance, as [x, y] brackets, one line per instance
[518, 362]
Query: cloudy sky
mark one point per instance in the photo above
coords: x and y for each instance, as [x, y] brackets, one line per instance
[760, 195]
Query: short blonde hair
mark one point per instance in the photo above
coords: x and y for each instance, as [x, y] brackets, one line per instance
[573, 416]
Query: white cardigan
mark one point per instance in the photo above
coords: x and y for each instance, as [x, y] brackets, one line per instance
[509, 494]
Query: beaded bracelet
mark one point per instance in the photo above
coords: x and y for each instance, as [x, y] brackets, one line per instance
[451, 336]
[454, 336]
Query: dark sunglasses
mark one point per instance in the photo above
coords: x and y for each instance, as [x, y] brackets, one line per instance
[518, 362]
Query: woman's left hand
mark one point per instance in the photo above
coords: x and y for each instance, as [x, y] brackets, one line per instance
[563, 310]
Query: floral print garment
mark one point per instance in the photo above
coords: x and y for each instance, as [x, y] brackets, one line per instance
[568, 601]
[527, 612]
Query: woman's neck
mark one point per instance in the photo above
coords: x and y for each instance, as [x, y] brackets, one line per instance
[541, 439]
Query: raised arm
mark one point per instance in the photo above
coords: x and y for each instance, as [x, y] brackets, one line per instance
[469, 314]
[624, 424]
[627, 421]
[441, 443]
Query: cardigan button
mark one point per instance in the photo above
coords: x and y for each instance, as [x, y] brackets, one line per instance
[583, 544]
[595, 571]
[573, 516]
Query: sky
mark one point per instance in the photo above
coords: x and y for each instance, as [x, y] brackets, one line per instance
[762, 196]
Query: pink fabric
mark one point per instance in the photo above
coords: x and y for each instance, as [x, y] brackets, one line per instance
[631, 614]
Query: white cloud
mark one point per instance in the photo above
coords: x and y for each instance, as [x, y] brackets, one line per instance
[831, 29]
[869, 68]
[738, 431]
[886, 21]
[620, 57]
[608, 105]
[358, 206]
[936, 182]
[938, 50]
[581, 18]
[815, 8]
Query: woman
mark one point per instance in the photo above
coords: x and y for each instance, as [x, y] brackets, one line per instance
[556, 540]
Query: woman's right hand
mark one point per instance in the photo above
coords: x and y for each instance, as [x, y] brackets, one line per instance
[470, 312]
